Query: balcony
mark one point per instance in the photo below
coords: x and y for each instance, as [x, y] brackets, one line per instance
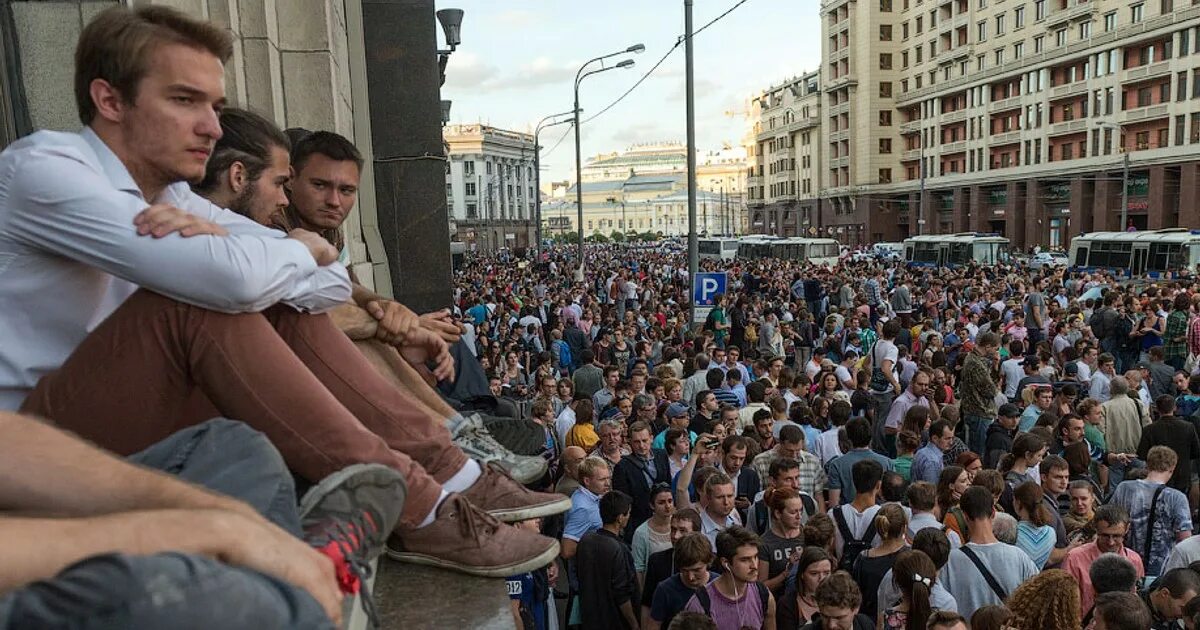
[840, 108]
[839, 54]
[1012, 102]
[842, 81]
[1148, 71]
[1068, 126]
[1144, 113]
[910, 155]
[1008, 137]
[839, 162]
[962, 19]
[954, 116]
[1078, 11]
[954, 147]
[1070, 89]
[912, 126]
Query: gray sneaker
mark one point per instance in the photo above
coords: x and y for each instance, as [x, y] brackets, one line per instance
[348, 517]
[474, 439]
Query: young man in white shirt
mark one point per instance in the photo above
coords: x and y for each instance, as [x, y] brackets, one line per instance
[223, 321]
[984, 565]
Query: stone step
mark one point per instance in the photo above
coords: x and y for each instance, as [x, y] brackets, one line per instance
[417, 597]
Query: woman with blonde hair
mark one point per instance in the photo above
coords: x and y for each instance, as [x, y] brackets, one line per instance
[1048, 601]
[891, 524]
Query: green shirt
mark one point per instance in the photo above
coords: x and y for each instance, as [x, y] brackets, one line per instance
[718, 317]
[903, 466]
[1093, 435]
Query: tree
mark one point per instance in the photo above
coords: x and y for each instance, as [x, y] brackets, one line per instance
[597, 238]
[617, 236]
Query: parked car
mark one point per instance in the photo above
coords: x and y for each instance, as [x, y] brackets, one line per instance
[1042, 260]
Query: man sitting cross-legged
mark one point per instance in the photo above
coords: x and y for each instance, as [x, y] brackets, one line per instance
[132, 308]
[248, 172]
[93, 541]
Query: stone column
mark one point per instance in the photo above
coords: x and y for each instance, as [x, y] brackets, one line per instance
[1189, 195]
[1014, 215]
[962, 209]
[1035, 214]
[1081, 207]
[1160, 198]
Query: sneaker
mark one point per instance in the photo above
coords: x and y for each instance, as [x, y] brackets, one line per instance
[464, 538]
[499, 494]
[474, 440]
[348, 516]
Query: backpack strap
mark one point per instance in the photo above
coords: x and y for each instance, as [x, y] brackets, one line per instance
[987, 575]
[761, 517]
[840, 519]
[1150, 523]
[763, 596]
[705, 601]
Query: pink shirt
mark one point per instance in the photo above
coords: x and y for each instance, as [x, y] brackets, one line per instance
[1080, 559]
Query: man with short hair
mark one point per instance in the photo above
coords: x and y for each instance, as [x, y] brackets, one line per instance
[841, 483]
[947, 620]
[698, 380]
[838, 599]
[606, 394]
[736, 599]
[706, 410]
[978, 390]
[1111, 523]
[1043, 402]
[572, 457]
[1168, 595]
[715, 380]
[718, 511]
[595, 480]
[810, 472]
[1121, 611]
[139, 295]
[1171, 514]
[1100, 386]
[637, 473]
[917, 395]
[745, 480]
[1177, 435]
[929, 460]
[677, 418]
[661, 564]
[921, 497]
[608, 587]
[1000, 434]
[693, 555]
[972, 569]
[1124, 418]
[589, 377]
[854, 521]
[756, 394]
[1055, 476]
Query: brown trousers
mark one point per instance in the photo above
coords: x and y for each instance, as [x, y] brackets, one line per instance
[157, 365]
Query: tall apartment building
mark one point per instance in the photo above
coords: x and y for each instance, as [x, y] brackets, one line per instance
[1019, 116]
[490, 186]
[784, 156]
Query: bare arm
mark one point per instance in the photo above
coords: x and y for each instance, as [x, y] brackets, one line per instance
[775, 582]
[45, 470]
[568, 548]
[835, 496]
[627, 612]
[769, 621]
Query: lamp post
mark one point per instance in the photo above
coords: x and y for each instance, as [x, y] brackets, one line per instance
[537, 171]
[1124, 179]
[580, 75]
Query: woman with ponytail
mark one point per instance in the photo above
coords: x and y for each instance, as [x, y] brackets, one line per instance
[1035, 535]
[780, 547]
[891, 523]
[1027, 452]
[914, 575]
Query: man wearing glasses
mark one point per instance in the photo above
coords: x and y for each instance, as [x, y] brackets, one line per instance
[1112, 523]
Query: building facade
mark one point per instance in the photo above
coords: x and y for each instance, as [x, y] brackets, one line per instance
[784, 158]
[1022, 117]
[490, 189]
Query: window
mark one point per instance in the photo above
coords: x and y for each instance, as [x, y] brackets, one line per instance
[1166, 6]
[489, 168]
[904, 30]
[1142, 140]
[920, 54]
[920, 25]
[885, 89]
[1000, 24]
[885, 145]
[1068, 151]
[885, 118]
[1180, 126]
[1163, 137]
[885, 61]
[1039, 10]
[1164, 92]
[1196, 83]
[981, 32]
[1060, 37]
[1019, 18]
[469, 167]
[999, 56]
[885, 32]
[472, 211]
[904, 59]
[1136, 12]
[1085, 30]
[1143, 97]
[885, 6]
[1018, 50]
[885, 176]
[449, 190]
[470, 189]
[1039, 43]
[1110, 21]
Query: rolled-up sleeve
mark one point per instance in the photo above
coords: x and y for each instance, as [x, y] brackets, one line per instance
[63, 206]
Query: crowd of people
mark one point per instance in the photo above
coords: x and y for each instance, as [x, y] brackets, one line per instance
[868, 445]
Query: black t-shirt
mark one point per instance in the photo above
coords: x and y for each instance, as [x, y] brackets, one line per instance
[659, 566]
[669, 599]
[868, 573]
[775, 551]
[1179, 436]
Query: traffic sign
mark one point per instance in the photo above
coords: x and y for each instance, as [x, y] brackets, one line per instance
[706, 286]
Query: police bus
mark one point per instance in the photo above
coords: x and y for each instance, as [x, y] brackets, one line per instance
[717, 248]
[818, 251]
[1149, 252]
[954, 250]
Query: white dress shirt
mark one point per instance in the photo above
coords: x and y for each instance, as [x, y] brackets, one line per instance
[70, 255]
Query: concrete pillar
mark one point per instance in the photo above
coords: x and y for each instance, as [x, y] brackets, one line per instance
[1189, 195]
[1082, 193]
[1156, 199]
[1014, 215]
[962, 209]
[1105, 202]
[979, 210]
[1035, 214]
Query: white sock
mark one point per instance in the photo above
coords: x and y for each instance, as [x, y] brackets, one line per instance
[464, 478]
[433, 513]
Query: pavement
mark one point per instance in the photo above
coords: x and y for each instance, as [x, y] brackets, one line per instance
[417, 597]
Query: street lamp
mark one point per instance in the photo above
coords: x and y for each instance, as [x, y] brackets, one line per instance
[1124, 177]
[537, 169]
[579, 77]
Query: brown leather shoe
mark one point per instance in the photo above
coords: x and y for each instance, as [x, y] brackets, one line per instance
[498, 494]
[466, 539]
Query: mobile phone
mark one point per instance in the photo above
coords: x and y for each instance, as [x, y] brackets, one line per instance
[711, 443]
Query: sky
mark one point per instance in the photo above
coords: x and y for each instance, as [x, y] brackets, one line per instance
[518, 59]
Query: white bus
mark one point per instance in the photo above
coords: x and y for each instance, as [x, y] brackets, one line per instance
[818, 251]
[717, 248]
[1150, 252]
[757, 246]
[953, 250]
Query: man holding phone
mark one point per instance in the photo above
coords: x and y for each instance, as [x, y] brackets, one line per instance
[745, 480]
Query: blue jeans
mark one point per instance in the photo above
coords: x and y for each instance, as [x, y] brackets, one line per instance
[977, 427]
[174, 590]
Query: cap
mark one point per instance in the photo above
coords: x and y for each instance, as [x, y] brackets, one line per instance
[677, 410]
[1009, 410]
[1071, 369]
[1142, 365]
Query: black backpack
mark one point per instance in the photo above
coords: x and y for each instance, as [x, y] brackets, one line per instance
[706, 602]
[852, 547]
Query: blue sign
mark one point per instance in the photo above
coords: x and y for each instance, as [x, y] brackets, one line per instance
[707, 286]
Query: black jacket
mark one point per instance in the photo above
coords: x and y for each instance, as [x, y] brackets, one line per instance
[629, 478]
[861, 622]
[999, 441]
[606, 580]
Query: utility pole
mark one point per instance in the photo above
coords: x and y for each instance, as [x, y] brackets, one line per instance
[690, 95]
[921, 203]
